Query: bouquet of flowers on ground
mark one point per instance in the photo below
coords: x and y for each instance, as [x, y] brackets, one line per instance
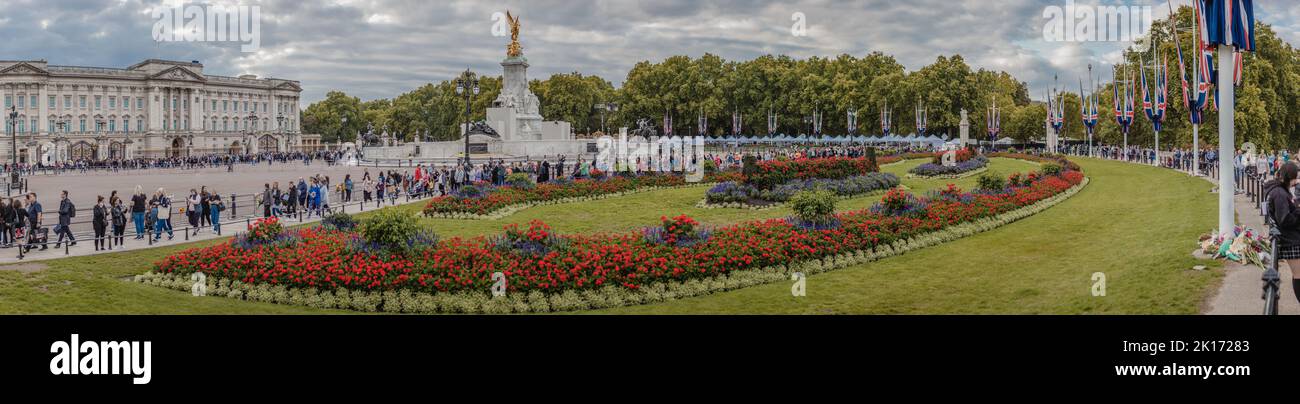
[1245, 246]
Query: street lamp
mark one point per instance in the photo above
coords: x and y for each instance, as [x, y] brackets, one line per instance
[279, 127]
[13, 131]
[606, 107]
[467, 86]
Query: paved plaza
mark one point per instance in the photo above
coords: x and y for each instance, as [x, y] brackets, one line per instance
[244, 180]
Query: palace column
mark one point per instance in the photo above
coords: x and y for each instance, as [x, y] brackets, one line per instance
[196, 111]
[153, 101]
[43, 118]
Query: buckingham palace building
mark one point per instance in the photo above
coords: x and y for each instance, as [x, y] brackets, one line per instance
[155, 108]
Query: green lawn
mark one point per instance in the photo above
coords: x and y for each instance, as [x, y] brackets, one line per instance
[1135, 224]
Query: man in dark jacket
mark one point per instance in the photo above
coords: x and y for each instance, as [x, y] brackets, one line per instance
[6, 224]
[268, 199]
[66, 212]
[35, 215]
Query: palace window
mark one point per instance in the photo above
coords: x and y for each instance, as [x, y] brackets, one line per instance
[67, 102]
[126, 125]
[22, 102]
[35, 102]
[97, 103]
[35, 125]
[139, 103]
[83, 102]
[52, 102]
[112, 102]
[225, 105]
[83, 122]
[112, 125]
[9, 101]
[139, 125]
[51, 127]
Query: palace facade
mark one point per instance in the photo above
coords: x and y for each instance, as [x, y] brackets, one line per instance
[155, 108]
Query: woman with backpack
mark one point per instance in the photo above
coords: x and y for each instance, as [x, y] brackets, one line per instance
[215, 206]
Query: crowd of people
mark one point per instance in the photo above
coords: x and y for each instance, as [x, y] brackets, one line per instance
[329, 157]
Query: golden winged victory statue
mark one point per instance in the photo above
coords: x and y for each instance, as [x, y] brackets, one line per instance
[514, 49]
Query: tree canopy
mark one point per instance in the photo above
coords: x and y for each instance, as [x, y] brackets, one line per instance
[1267, 112]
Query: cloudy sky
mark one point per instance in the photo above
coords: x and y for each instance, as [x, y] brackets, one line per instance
[380, 48]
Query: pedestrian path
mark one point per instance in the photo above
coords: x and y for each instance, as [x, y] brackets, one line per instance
[1242, 289]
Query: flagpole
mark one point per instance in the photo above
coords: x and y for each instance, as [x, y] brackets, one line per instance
[1155, 72]
[1196, 83]
[1227, 143]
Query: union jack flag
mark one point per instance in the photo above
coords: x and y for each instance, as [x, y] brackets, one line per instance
[853, 122]
[885, 118]
[921, 115]
[1124, 108]
[1155, 100]
[735, 123]
[704, 123]
[1230, 23]
[1196, 96]
[668, 124]
[994, 121]
[1088, 107]
[771, 123]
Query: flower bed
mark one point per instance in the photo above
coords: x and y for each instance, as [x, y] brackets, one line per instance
[545, 272]
[484, 201]
[967, 164]
[1056, 159]
[733, 194]
[771, 173]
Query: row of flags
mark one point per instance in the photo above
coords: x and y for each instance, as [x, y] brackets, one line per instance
[852, 120]
[1216, 22]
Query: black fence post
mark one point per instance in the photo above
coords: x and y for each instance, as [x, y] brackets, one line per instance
[234, 206]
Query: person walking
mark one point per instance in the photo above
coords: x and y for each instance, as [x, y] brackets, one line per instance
[19, 229]
[215, 206]
[192, 210]
[6, 224]
[67, 211]
[35, 215]
[99, 220]
[347, 188]
[204, 205]
[163, 219]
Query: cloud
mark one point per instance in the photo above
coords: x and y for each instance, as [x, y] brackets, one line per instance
[381, 48]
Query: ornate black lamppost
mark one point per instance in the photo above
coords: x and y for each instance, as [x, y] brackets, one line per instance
[606, 107]
[467, 86]
[13, 131]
